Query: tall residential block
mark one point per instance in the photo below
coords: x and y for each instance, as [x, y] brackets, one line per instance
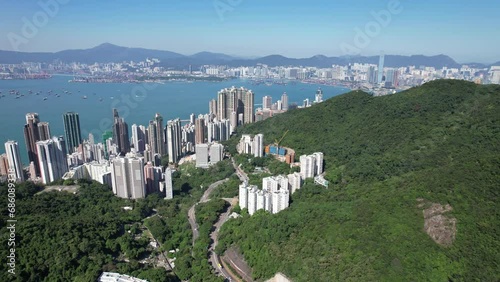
[52, 159]
[267, 101]
[13, 161]
[258, 145]
[239, 100]
[120, 133]
[31, 136]
[127, 177]
[284, 102]
[72, 130]
[174, 140]
[380, 68]
[199, 130]
[168, 185]
[202, 155]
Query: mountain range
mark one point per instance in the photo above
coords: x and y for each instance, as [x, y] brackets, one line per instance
[107, 53]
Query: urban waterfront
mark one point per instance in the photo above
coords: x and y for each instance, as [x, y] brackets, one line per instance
[137, 103]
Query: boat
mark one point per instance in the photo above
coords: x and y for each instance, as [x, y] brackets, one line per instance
[100, 99]
[84, 97]
[45, 98]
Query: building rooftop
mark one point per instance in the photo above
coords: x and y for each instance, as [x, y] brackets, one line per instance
[117, 277]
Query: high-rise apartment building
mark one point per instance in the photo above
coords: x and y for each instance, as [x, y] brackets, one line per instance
[249, 108]
[174, 140]
[311, 165]
[168, 186]
[294, 182]
[239, 100]
[258, 145]
[120, 133]
[12, 161]
[127, 177]
[31, 136]
[202, 155]
[216, 153]
[156, 136]
[200, 130]
[380, 68]
[153, 177]
[52, 159]
[72, 130]
[267, 101]
[307, 166]
[284, 102]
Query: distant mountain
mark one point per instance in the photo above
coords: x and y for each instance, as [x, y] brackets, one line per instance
[212, 56]
[111, 53]
[107, 52]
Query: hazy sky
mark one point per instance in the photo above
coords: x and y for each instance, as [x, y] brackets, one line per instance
[465, 30]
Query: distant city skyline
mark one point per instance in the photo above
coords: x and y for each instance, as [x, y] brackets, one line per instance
[461, 29]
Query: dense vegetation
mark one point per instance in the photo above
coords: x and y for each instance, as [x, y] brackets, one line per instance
[62, 236]
[439, 142]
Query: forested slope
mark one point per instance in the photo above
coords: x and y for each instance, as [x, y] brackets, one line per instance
[438, 143]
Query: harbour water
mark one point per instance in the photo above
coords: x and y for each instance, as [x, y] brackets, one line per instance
[137, 103]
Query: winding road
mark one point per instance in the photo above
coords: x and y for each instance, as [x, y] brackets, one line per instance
[204, 199]
[214, 258]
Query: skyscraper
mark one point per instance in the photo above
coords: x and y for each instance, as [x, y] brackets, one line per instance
[120, 134]
[14, 160]
[307, 166]
[72, 130]
[380, 68]
[127, 177]
[258, 145]
[156, 135]
[33, 132]
[267, 101]
[248, 102]
[216, 153]
[239, 100]
[372, 75]
[199, 130]
[152, 177]
[213, 107]
[44, 130]
[202, 155]
[52, 159]
[174, 140]
[284, 102]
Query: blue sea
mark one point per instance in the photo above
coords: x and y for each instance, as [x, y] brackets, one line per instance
[137, 103]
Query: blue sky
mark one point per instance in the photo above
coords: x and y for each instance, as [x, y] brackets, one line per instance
[465, 30]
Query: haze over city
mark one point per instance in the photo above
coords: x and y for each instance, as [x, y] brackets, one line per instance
[464, 30]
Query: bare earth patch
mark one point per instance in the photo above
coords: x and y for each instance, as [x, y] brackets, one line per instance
[440, 227]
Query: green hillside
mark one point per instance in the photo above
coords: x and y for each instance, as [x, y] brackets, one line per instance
[389, 158]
